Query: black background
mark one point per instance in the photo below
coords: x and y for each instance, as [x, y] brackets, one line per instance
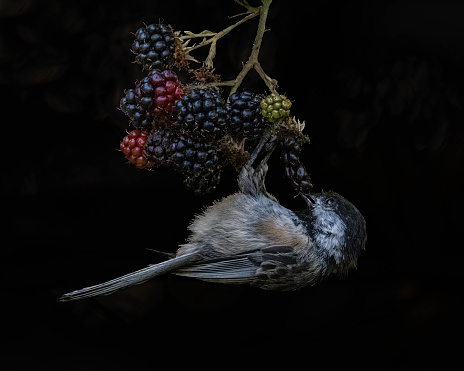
[380, 86]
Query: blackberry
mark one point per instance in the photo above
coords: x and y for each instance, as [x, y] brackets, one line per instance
[154, 46]
[159, 147]
[133, 146]
[198, 163]
[138, 110]
[154, 96]
[167, 90]
[203, 185]
[246, 120]
[202, 113]
[275, 107]
[291, 142]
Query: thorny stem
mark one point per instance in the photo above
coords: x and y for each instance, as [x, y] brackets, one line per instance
[215, 37]
[202, 34]
[253, 61]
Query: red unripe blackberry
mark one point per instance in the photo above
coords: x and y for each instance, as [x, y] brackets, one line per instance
[167, 90]
[154, 46]
[154, 97]
[132, 146]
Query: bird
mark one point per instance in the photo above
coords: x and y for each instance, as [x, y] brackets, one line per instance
[249, 238]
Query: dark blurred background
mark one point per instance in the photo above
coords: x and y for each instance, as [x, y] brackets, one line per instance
[380, 86]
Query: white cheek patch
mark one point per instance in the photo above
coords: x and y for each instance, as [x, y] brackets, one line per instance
[331, 236]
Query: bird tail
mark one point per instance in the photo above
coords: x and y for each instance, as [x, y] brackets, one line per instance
[134, 278]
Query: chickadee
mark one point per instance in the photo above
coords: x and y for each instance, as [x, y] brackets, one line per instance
[249, 238]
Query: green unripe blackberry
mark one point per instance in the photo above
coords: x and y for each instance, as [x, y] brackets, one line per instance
[275, 107]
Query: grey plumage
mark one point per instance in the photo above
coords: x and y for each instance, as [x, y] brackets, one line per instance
[249, 238]
[131, 279]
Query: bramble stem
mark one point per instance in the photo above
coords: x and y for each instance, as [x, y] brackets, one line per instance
[225, 31]
[253, 59]
[193, 36]
[214, 37]
[270, 82]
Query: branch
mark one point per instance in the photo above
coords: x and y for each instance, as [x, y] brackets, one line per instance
[214, 37]
[190, 35]
[270, 82]
[253, 59]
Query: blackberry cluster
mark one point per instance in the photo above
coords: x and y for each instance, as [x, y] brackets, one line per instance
[291, 144]
[153, 97]
[154, 46]
[188, 142]
[172, 129]
[198, 163]
[202, 113]
[195, 131]
[246, 120]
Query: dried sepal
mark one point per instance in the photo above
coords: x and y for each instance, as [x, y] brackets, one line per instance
[234, 152]
[299, 125]
[293, 126]
[181, 59]
[204, 75]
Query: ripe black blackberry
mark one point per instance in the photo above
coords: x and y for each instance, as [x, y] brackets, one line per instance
[291, 142]
[202, 113]
[154, 46]
[137, 104]
[246, 120]
[203, 184]
[159, 147]
[139, 116]
[198, 164]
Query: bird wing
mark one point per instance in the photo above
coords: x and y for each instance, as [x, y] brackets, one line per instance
[269, 262]
[243, 267]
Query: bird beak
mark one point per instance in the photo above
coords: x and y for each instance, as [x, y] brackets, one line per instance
[310, 201]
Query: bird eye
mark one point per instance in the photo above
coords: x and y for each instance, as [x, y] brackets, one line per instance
[330, 201]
